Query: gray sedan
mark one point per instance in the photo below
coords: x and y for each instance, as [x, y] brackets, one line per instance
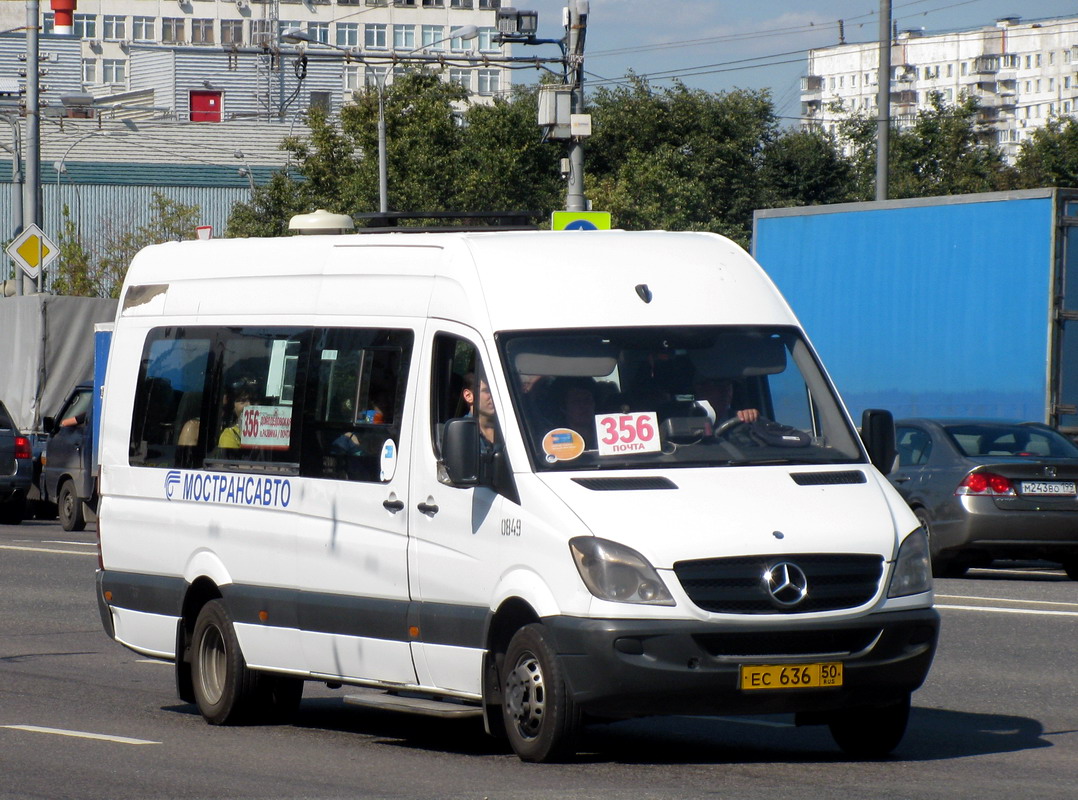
[986, 489]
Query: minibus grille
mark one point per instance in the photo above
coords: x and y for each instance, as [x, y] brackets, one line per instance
[738, 585]
[823, 643]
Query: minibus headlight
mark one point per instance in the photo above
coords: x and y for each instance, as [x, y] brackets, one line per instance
[614, 572]
[913, 567]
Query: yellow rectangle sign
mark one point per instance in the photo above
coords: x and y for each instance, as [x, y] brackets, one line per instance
[779, 677]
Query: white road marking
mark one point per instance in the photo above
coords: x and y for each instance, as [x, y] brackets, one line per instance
[47, 550]
[1006, 600]
[79, 734]
[61, 541]
[995, 610]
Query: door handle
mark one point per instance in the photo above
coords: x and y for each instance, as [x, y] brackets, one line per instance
[393, 505]
[430, 509]
[901, 478]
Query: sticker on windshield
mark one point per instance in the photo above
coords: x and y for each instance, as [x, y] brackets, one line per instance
[563, 444]
[619, 434]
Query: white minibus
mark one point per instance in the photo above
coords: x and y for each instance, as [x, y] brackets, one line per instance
[542, 478]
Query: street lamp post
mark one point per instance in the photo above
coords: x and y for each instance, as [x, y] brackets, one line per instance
[465, 32]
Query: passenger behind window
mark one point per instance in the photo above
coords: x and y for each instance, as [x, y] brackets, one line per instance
[241, 393]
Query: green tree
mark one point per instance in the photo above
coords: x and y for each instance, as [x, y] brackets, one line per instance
[81, 273]
[947, 150]
[679, 158]
[805, 168]
[1050, 156]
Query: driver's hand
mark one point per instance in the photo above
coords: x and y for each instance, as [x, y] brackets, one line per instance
[748, 415]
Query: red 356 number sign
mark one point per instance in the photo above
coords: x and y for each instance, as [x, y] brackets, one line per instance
[627, 433]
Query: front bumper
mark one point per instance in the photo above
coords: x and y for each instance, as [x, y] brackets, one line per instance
[631, 668]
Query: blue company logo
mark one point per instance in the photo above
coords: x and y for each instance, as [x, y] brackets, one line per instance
[172, 480]
[581, 225]
[562, 438]
[264, 491]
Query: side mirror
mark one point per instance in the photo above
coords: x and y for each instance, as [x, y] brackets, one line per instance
[878, 434]
[460, 451]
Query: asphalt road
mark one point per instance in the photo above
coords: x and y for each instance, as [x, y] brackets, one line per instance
[82, 717]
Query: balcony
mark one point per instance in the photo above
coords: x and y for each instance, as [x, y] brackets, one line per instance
[811, 84]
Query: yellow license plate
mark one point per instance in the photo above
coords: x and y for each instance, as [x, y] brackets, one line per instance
[790, 676]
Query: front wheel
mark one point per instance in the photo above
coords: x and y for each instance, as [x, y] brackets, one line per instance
[225, 689]
[69, 506]
[871, 732]
[540, 717]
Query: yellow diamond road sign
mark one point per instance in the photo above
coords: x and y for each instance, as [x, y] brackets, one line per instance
[32, 250]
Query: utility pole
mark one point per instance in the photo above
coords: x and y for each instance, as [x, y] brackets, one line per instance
[574, 73]
[883, 120]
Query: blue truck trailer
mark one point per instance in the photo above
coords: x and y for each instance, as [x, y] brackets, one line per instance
[961, 306]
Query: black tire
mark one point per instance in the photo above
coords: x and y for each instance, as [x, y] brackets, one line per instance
[281, 695]
[540, 717]
[1070, 566]
[69, 506]
[13, 510]
[871, 732]
[226, 691]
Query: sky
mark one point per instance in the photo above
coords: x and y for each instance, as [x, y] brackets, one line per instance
[719, 45]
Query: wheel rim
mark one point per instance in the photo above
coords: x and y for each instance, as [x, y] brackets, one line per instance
[67, 505]
[526, 695]
[212, 666]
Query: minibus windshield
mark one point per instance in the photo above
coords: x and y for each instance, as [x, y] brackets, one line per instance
[621, 398]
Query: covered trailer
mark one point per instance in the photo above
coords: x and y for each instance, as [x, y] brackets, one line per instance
[961, 306]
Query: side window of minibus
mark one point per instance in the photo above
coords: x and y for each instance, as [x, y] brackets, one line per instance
[456, 382]
[355, 401]
[174, 363]
[255, 374]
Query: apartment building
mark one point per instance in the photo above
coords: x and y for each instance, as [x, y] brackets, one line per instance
[1023, 73]
[113, 32]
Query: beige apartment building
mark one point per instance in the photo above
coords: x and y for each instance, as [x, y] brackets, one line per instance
[1022, 72]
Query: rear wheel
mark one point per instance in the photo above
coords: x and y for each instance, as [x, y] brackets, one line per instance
[226, 691]
[69, 506]
[540, 717]
[871, 732]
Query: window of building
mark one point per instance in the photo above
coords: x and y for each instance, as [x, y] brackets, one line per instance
[1038, 84]
[950, 70]
[86, 26]
[461, 3]
[433, 3]
[1051, 84]
[353, 77]
[172, 30]
[405, 3]
[1066, 106]
[489, 81]
[1029, 62]
[1029, 86]
[458, 45]
[486, 40]
[321, 100]
[375, 37]
[1038, 59]
[1067, 82]
[348, 34]
[1051, 58]
[287, 25]
[113, 70]
[404, 37]
[115, 27]
[319, 31]
[490, 3]
[262, 33]
[232, 31]
[142, 29]
[461, 77]
[965, 68]
[202, 31]
[89, 71]
[433, 36]
[375, 75]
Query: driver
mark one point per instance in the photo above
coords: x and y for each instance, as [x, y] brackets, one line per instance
[715, 396]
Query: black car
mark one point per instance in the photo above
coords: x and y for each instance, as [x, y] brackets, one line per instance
[16, 470]
[988, 489]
